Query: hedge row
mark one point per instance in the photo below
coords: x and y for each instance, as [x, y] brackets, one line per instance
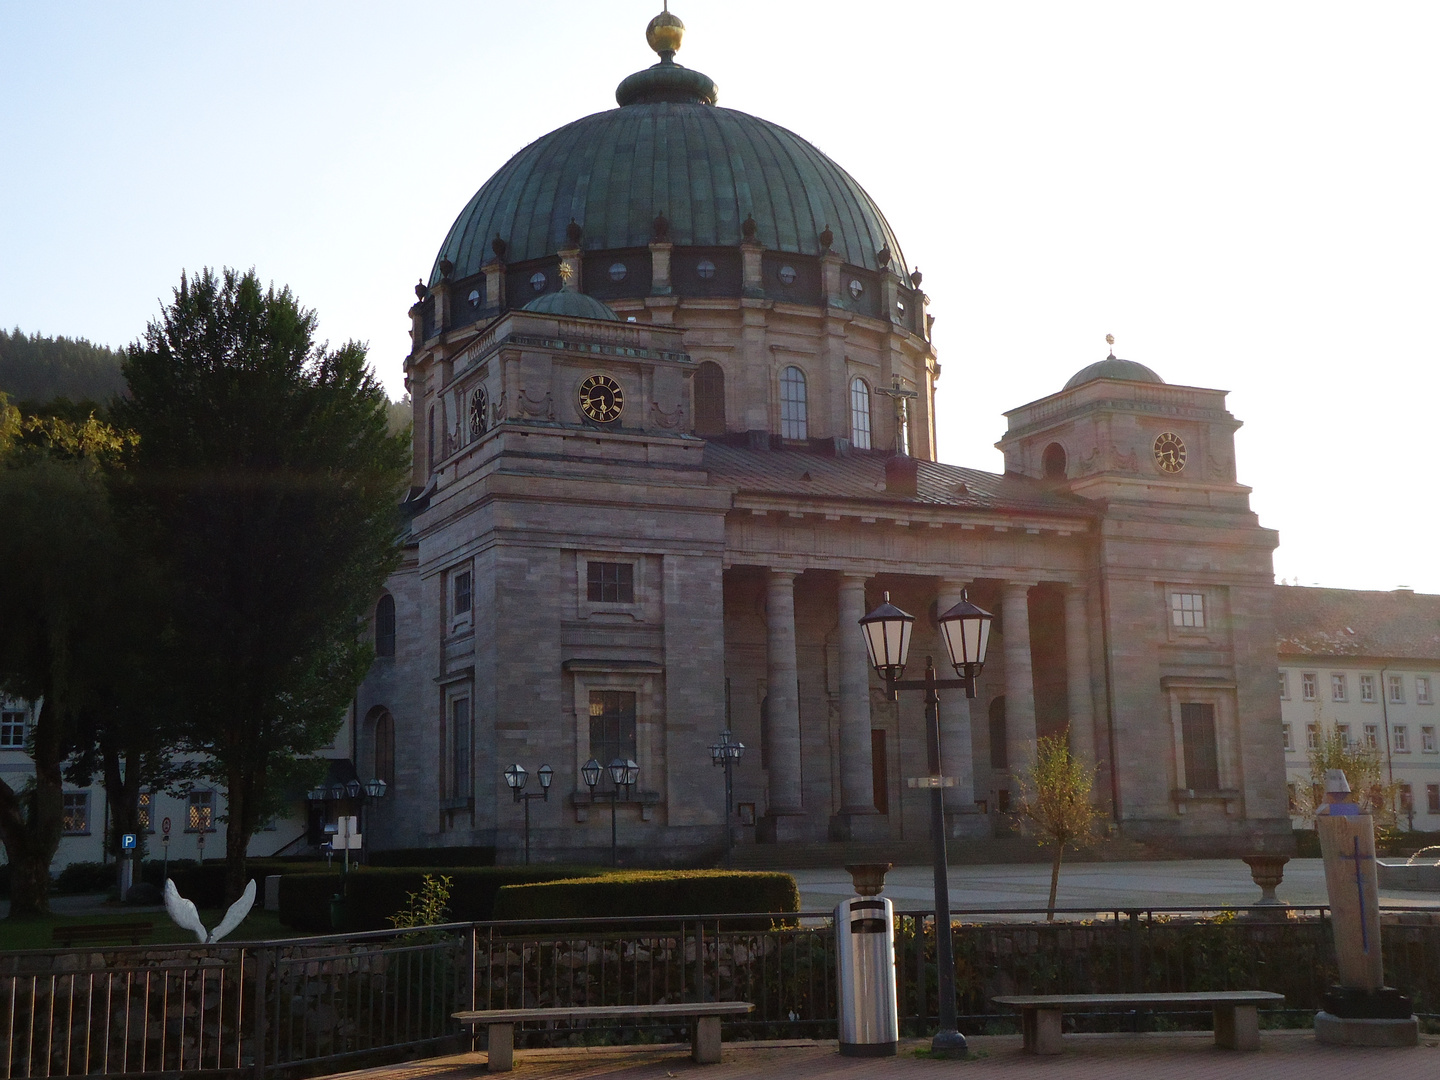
[205, 884]
[651, 892]
[374, 893]
[441, 856]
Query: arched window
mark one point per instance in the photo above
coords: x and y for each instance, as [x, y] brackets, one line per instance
[709, 395]
[792, 404]
[385, 748]
[859, 414]
[1052, 462]
[385, 626]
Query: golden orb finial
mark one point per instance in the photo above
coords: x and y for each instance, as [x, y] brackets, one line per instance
[664, 32]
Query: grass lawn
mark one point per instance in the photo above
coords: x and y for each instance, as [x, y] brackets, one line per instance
[259, 925]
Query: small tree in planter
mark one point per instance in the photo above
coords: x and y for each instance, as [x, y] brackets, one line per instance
[1055, 801]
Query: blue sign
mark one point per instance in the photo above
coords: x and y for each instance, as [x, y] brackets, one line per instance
[127, 841]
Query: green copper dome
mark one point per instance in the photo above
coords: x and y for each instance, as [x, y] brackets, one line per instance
[1112, 367]
[706, 169]
[571, 305]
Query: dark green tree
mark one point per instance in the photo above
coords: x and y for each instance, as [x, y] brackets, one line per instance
[270, 486]
[64, 622]
[35, 369]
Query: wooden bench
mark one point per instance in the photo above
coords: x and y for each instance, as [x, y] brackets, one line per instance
[1237, 1015]
[704, 1045]
[69, 935]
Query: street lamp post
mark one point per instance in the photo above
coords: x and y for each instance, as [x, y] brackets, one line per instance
[727, 752]
[623, 773]
[515, 777]
[966, 631]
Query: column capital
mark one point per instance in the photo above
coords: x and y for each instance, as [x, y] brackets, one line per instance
[1020, 584]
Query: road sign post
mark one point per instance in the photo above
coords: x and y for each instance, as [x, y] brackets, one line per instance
[128, 850]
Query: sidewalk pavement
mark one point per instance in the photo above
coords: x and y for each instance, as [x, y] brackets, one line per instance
[1283, 1055]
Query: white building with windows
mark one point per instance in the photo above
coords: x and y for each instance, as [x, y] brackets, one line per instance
[1367, 664]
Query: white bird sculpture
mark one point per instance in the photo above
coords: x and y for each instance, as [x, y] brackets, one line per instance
[186, 917]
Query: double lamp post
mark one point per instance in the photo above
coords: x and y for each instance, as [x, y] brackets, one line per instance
[966, 631]
[624, 772]
[515, 778]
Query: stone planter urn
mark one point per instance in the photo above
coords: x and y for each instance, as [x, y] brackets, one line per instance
[1267, 872]
[869, 878]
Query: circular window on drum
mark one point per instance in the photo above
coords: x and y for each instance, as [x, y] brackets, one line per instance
[537, 281]
[479, 405]
[705, 269]
[787, 275]
[856, 289]
[617, 271]
[474, 298]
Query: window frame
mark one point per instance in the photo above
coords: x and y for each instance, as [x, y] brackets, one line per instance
[1285, 734]
[794, 407]
[192, 805]
[1422, 690]
[1427, 739]
[862, 435]
[1284, 686]
[1367, 689]
[145, 811]
[707, 391]
[1370, 734]
[1395, 689]
[385, 626]
[1400, 736]
[1187, 610]
[1432, 798]
[626, 748]
[623, 586]
[1309, 685]
[1339, 688]
[14, 720]
[69, 801]
[1312, 736]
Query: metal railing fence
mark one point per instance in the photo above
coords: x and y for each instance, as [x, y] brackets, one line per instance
[314, 1004]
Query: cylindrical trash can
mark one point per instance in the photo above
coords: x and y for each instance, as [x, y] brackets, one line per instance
[865, 958]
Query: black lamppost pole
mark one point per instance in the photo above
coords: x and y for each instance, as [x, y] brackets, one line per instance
[727, 752]
[966, 630]
[515, 778]
[623, 773]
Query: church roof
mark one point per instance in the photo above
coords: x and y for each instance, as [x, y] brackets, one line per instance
[860, 474]
[571, 305]
[1112, 367]
[1399, 625]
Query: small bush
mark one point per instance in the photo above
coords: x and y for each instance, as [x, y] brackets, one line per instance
[205, 885]
[651, 892]
[86, 877]
[374, 893]
[430, 906]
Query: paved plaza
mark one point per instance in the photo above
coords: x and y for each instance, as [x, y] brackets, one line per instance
[1288, 1055]
[1094, 886]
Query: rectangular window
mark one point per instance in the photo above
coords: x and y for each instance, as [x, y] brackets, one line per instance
[147, 824]
[1367, 687]
[1422, 690]
[1312, 736]
[1285, 730]
[1337, 687]
[460, 781]
[1372, 736]
[1187, 609]
[1292, 798]
[76, 814]
[1407, 798]
[612, 729]
[1343, 730]
[462, 593]
[1202, 766]
[1427, 738]
[1432, 798]
[200, 812]
[1396, 690]
[12, 730]
[1284, 686]
[1307, 686]
[610, 583]
[1402, 739]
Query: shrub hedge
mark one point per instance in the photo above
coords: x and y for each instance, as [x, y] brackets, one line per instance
[423, 857]
[86, 877]
[205, 885]
[374, 893]
[651, 892]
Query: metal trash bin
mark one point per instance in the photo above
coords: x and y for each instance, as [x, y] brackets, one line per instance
[865, 959]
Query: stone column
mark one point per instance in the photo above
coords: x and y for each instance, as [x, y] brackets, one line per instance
[859, 818]
[1077, 677]
[1019, 679]
[957, 756]
[782, 819]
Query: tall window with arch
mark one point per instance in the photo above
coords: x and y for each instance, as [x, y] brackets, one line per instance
[385, 626]
[859, 414]
[385, 748]
[792, 404]
[708, 390]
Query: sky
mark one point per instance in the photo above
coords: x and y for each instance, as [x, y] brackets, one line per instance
[1244, 194]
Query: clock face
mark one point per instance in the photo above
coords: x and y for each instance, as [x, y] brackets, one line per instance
[1169, 452]
[601, 399]
[477, 412]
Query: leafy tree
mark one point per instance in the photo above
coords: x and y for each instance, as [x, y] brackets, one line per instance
[64, 622]
[35, 369]
[270, 486]
[1364, 769]
[1055, 800]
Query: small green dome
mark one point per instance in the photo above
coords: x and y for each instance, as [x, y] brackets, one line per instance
[571, 305]
[1112, 367]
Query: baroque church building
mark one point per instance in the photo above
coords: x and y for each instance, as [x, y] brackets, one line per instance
[674, 422]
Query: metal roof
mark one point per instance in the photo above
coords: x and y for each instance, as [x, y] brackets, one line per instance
[705, 168]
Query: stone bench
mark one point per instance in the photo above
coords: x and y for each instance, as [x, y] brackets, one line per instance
[704, 1045]
[1237, 1015]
